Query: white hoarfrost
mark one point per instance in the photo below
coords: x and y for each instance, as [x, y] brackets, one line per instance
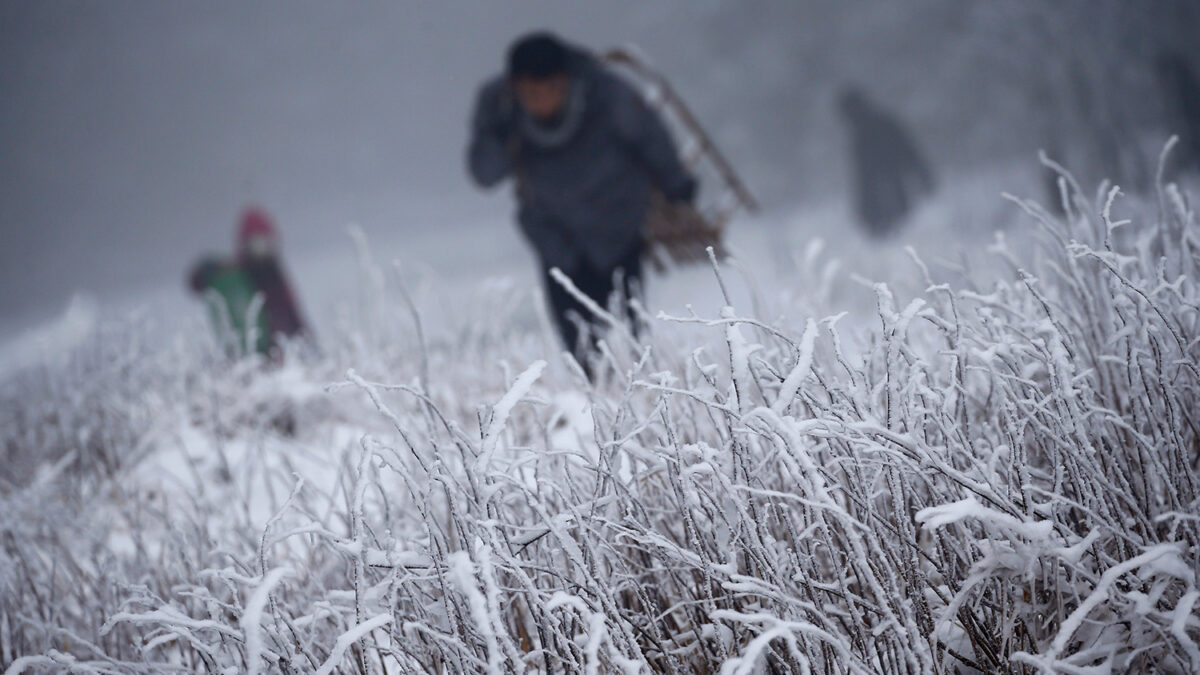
[502, 409]
[879, 466]
[252, 617]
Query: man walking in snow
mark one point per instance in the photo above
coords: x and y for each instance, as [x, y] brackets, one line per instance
[586, 153]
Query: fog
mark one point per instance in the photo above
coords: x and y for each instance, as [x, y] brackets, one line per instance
[930, 414]
[131, 134]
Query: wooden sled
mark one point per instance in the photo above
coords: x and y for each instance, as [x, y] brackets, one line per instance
[681, 233]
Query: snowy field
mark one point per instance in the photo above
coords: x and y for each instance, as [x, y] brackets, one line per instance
[969, 449]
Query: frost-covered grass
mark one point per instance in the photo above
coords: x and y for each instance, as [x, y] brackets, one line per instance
[991, 477]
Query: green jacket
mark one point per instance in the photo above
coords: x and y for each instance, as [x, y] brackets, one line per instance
[234, 307]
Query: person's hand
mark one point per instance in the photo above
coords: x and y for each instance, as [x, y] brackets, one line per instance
[202, 273]
[495, 114]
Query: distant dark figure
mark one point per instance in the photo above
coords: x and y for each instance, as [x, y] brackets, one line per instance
[890, 173]
[230, 289]
[1182, 89]
[586, 152]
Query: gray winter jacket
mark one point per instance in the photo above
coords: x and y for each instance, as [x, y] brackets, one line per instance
[583, 187]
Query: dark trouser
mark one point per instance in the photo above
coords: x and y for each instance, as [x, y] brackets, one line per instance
[597, 284]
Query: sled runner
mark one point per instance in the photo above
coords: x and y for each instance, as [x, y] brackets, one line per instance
[682, 232]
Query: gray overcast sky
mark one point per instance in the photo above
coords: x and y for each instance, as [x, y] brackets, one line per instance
[131, 133]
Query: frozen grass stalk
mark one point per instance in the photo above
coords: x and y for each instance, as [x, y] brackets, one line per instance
[998, 478]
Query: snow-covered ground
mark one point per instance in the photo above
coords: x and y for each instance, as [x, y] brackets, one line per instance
[968, 469]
